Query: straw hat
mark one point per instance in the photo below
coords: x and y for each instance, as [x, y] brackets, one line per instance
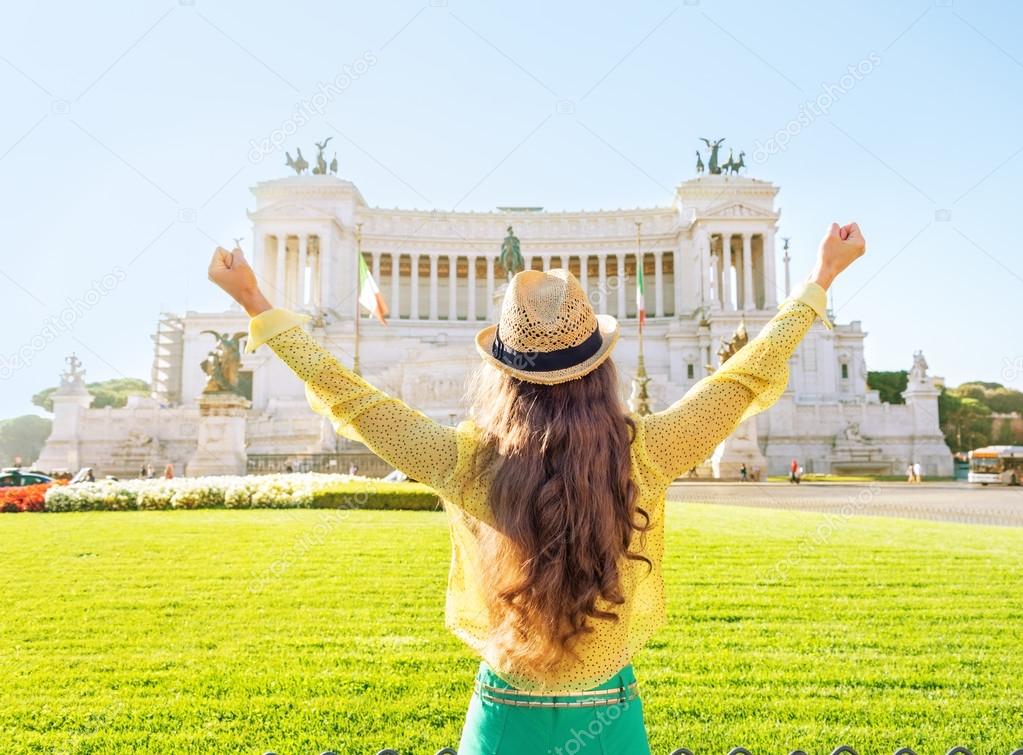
[548, 331]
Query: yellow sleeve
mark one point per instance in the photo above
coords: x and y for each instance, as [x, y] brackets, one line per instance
[684, 435]
[425, 450]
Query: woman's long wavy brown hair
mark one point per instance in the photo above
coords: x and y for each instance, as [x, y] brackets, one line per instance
[564, 508]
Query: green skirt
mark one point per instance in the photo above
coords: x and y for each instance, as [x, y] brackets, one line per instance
[607, 720]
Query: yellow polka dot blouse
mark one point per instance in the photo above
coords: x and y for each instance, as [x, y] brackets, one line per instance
[668, 443]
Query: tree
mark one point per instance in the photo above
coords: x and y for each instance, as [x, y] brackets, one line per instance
[965, 421]
[889, 385]
[972, 390]
[1005, 435]
[113, 393]
[23, 436]
[1004, 400]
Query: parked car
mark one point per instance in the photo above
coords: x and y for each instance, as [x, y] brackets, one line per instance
[14, 478]
[396, 476]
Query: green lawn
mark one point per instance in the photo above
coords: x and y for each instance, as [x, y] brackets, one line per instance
[301, 631]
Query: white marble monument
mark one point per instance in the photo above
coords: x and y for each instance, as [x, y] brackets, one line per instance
[708, 256]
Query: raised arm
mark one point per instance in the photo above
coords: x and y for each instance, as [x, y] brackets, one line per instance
[684, 435]
[406, 438]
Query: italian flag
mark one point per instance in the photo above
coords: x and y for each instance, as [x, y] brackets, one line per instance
[640, 298]
[369, 294]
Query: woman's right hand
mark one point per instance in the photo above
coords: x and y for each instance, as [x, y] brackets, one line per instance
[232, 272]
[842, 246]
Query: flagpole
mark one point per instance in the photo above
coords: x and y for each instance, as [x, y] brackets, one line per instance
[639, 402]
[358, 312]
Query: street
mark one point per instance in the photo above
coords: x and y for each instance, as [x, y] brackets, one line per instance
[942, 501]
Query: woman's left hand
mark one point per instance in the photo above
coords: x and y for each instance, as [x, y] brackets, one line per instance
[232, 272]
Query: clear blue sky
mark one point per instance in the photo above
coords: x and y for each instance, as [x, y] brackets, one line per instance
[125, 141]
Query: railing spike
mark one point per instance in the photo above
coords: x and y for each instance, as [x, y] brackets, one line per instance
[844, 749]
[958, 750]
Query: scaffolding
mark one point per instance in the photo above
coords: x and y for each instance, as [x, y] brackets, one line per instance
[168, 348]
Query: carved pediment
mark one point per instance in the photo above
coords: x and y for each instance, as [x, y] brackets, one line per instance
[738, 210]
[293, 211]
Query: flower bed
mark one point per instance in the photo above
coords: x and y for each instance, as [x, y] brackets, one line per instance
[256, 491]
[24, 498]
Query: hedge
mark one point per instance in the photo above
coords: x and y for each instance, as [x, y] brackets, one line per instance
[321, 491]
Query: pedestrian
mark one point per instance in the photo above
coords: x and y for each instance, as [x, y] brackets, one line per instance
[917, 472]
[743, 474]
[793, 471]
[550, 451]
[168, 472]
[910, 475]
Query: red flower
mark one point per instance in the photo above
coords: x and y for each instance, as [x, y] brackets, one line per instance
[24, 498]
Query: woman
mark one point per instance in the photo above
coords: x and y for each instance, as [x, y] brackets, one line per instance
[554, 493]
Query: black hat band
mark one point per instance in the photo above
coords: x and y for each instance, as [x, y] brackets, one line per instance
[546, 361]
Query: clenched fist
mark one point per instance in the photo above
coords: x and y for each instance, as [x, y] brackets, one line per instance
[232, 272]
[840, 247]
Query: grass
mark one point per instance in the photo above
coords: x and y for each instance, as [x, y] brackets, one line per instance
[300, 631]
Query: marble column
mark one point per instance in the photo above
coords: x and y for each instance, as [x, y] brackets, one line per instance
[452, 286]
[620, 257]
[471, 283]
[375, 265]
[768, 268]
[394, 305]
[433, 286]
[280, 281]
[602, 291]
[703, 259]
[324, 263]
[584, 272]
[413, 311]
[490, 279]
[748, 297]
[303, 258]
[658, 283]
[314, 260]
[259, 261]
[726, 271]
